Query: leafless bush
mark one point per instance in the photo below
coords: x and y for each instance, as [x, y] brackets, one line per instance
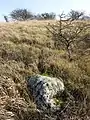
[67, 34]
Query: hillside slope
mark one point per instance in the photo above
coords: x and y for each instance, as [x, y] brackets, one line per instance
[25, 49]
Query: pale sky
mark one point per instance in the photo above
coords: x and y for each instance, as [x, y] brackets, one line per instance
[40, 6]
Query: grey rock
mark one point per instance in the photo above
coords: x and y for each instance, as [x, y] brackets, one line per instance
[43, 89]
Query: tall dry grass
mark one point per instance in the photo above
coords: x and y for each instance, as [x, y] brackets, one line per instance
[25, 49]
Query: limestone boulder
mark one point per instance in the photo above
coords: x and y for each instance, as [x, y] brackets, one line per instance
[43, 90]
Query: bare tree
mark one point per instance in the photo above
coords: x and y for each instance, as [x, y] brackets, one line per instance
[21, 14]
[46, 16]
[67, 33]
[75, 15]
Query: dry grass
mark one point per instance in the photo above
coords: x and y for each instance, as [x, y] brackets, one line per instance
[25, 49]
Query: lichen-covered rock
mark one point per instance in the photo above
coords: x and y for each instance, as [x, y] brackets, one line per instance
[43, 89]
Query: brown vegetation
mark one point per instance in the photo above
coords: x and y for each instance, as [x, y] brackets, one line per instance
[27, 48]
